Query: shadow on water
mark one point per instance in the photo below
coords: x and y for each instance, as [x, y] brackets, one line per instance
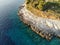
[5, 24]
[5, 40]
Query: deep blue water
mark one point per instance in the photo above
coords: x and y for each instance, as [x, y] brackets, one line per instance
[15, 32]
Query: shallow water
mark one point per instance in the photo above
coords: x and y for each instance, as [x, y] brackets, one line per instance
[15, 32]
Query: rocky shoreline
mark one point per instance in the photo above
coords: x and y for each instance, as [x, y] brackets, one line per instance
[46, 28]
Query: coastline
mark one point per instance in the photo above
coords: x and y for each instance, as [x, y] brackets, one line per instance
[38, 27]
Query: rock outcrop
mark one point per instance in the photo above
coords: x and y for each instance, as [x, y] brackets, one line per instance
[46, 28]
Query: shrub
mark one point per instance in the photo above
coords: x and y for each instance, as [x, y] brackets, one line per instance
[28, 1]
[50, 5]
[40, 5]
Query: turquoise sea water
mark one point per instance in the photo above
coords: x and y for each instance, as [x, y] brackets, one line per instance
[15, 32]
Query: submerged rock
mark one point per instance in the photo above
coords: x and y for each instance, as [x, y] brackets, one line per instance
[46, 28]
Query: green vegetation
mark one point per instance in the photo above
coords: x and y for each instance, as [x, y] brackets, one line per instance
[38, 4]
[52, 8]
[42, 5]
